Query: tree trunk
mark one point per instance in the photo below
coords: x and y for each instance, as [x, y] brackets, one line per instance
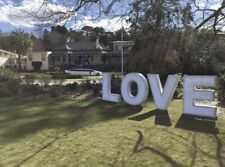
[19, 62]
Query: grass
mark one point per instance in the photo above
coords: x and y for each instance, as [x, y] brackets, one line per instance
[59, 132]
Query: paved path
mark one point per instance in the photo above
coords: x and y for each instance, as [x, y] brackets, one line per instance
[70, 81]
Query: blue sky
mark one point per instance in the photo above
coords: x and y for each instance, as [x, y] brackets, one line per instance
[12, 17]
[5, 27]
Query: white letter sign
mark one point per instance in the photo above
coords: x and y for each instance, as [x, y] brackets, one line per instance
[191, 94]
[142, 92]
[162, 96]
[106, 89]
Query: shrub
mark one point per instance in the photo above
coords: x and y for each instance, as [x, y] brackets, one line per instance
[6, 75]
[97, 89]
[115, 86]
[71, 87]
[85, 85]
[55, 91]
[178, 94]
[29, 79]
[43, 79]
[10, 82]
[221, 88]
[32, 90]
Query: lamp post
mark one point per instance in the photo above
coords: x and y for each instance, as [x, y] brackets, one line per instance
[122, 54]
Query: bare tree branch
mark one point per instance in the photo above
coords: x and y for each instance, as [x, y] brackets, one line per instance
[215, 15]
[105, 8]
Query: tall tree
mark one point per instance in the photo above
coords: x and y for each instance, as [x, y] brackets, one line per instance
[76, 35]
[56, 37]
[21, 44]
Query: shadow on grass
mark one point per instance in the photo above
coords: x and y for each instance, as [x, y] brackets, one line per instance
[28, 118]
[161, 117]
[197, 124]
[153, 150]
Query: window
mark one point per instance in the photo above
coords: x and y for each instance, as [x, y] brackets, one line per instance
[43, 57]
[92, 58]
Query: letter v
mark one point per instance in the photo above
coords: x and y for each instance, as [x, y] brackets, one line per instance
[162, 97]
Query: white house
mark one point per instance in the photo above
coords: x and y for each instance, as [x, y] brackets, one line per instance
[8, 59]
[38, 61]
[117, 45]
[116, 51]
[78, 54]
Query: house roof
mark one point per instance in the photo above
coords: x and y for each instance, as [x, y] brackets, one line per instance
[80, 46]
[65, 47]
[8, 52]
[122, 42]
[3, 61]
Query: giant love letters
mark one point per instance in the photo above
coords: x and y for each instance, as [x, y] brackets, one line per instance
[162, 96]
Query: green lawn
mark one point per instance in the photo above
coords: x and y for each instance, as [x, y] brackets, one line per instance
[86, 133]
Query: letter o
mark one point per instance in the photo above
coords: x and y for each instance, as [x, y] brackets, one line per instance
[142, 85]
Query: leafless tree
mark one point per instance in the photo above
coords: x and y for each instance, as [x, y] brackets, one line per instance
[205, 13]
[209, 16]
[74, 10]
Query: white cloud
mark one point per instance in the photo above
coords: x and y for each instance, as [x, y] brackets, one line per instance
[212, 4]
[14, 14]
[113, 24]
[201, 3]
[215, 6]
[18, 14]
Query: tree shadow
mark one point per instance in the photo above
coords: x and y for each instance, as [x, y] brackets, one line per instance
[218, 155]
[161, 117]
[151, 149]
[71, 117]
[219, 151]
[199, 124]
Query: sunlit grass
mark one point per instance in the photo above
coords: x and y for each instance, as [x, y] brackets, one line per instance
[59, 132]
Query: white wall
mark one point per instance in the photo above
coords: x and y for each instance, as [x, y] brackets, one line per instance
[38, 56]
[117, 45]
[8, 58]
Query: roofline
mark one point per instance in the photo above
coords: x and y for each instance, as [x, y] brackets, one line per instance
[121, 41]
[8, 51]
[79, 50]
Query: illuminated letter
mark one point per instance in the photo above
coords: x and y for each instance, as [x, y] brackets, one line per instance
[106, 89]
[191, 94]
[142, 85]
[162, 96]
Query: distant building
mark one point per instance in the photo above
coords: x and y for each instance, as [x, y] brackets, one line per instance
[38, 61]
[8, 59]
[88, 54]
[115, 53]
[84, 54]
[78, 54]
